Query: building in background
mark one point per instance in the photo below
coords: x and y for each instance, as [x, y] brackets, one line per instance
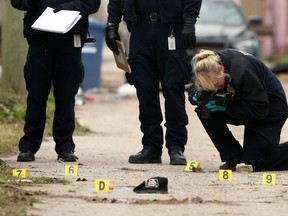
[273, 33]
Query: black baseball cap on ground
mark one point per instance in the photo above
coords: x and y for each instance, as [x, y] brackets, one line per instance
[153, 185]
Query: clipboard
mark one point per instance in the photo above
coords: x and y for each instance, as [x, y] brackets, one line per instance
[121, 58]
[60, 22]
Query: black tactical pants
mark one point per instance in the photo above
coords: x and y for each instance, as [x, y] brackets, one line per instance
[152, 63]
[52, 61]
[261, 146]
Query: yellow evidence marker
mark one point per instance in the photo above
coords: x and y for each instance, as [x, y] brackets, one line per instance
[102, 186]
[225, 175]
[71, 170]
[269, 179]
[20, 173]
[192, 166]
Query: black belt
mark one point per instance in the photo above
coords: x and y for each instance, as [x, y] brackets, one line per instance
[151, 17]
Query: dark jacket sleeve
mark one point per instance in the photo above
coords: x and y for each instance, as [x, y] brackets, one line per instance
[23, 5]
[254, 100]
[115, 11]
[85, 7]
[191, 8]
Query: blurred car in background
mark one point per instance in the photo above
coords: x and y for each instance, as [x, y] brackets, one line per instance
[279, 68]
[221, 24]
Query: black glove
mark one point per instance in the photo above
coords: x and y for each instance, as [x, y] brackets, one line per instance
[188, 34]
[57, 9]
[111, 35]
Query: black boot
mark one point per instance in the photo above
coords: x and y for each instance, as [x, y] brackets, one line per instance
[177, 157]
[67, 156]
[147, 155]
[26, 156]
[231, 164]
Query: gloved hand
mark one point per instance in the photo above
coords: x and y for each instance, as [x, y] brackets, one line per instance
[211, 105]
[111, 35]
[188, 34]
[194, 100]
[57, 9]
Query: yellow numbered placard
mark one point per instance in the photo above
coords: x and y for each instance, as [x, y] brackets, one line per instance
[20, 173]
[191, 166]
[71, 170]
[269, 179]
[102, 185]
[225, 175]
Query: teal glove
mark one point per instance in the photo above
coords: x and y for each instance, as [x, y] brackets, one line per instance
[211, 105]
[194, 98]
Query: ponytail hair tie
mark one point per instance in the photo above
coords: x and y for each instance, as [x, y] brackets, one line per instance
[204, 56]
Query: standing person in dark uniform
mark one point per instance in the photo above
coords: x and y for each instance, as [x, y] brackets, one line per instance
[52, 59]
[161, 32]
[241, 91]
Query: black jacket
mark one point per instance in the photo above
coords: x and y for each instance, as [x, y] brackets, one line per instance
[261, 95]
[34, 9]
[170, 10]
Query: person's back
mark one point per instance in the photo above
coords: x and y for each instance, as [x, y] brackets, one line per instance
[243, 63]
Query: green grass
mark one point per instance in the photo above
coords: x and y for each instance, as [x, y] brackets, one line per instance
[12, 113]
[10, 135]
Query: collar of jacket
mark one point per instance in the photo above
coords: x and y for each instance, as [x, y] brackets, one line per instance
[225, 59]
